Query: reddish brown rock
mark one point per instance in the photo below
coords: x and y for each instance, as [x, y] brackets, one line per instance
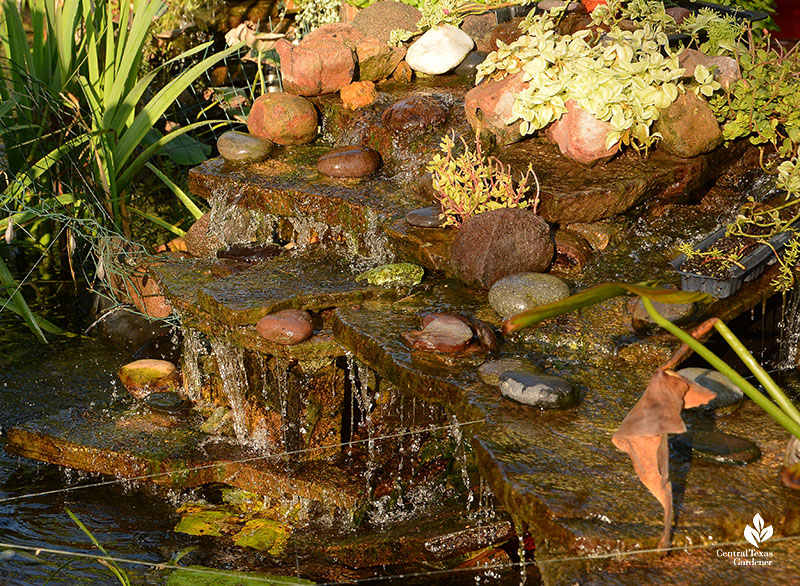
[446, 333]
[381, 18]
[402, 73]
[283, 118]
[358, 94]
[376, 59]
[688, 127]
[507, 33]
[414, 113]
[316, 67]
[489, 246]
[428, 318]
[145, 293]
[143, 377]
[287, 327]
[349, 161]
[480, 27]
[486, 337]
[488, 107]
[200, 242]
[581, 136]
[726, 69]
[678, 13]
[573, 248]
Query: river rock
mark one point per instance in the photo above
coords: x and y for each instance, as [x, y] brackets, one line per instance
[523, 291]
[506, 33]
[145, 293]
[723, 448]
[688, 127]
[200, 241]
[431, 217]
[489, 107]
[316, 67]
[283, 118]
[445, 333]
[349, 161]
[490, 372]
[358, 94]
[414, 114]
[597, 235]
[641, 321]
[538, 390]
[728, 394]
[480, 27]
[289, 326]
[726, 69]
[581, 136]
[469, 65]
[439, 50]
[501, 242]
[240, 147]
[380, 19]
[679, 13]
[143, 377]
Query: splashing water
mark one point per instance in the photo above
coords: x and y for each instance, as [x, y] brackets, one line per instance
[454, 430]
[234, 224]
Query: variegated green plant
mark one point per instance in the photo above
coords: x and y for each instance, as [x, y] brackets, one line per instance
[624, 80]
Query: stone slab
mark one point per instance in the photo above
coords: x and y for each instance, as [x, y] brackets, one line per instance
[109, 443]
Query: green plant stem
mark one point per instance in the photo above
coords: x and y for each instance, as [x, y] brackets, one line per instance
[715, 361]
[763, 377]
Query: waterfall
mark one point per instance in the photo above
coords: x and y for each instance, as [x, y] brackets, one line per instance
[230, 361]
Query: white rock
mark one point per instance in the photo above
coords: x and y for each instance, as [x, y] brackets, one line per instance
[439, 50]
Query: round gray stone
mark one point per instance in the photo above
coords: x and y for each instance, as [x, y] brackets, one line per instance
[490, 371]
[523, 291]
[728, 394]
[538, 390]
[431, 217]
[240, 147]
[716, 446]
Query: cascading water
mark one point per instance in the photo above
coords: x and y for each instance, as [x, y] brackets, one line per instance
[230, 361]
[193, 351]
[233, 224]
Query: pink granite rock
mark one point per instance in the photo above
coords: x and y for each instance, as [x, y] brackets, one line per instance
[283, 118]
[488, 107]
[581, 136]
[726, 69]
[319, 66]
[287, 327]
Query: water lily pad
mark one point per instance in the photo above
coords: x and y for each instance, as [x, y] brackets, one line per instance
[263, 535]
[203, 522]
[403, 274]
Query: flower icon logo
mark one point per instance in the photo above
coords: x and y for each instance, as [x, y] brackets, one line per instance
[757, 534]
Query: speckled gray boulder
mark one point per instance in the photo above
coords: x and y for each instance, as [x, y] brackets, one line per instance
[240, 147]
[490, 371]
[523, 291]
[728, 394]
[538, 390]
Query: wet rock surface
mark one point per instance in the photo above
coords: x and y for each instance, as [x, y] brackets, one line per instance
[489, 246]
[490, 371]
[469, 66]
[349, 161]
[414, 114]
[728, 394]
[538, 390]
[716, 446]
[430, 217]
[523, 291]
[240, 147]
[200, 242]
[677, 313]
[290, 326]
